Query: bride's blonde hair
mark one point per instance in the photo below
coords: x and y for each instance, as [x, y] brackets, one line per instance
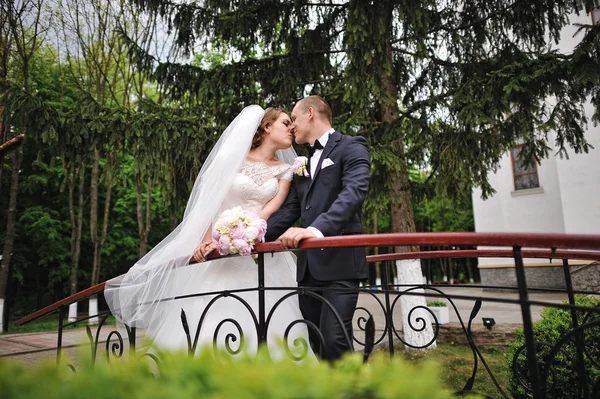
[270, 116]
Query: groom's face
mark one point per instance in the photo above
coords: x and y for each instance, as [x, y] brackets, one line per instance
[300, 118]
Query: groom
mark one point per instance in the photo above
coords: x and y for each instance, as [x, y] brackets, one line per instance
[328, 202]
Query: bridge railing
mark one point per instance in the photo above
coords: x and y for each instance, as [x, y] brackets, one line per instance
[380, 331]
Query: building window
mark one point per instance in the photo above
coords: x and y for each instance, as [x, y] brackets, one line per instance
[525, 177]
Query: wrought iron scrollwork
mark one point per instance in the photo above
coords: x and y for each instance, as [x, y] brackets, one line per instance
[421, 320]
[361, 320]
[116, 349]
[308, 323]
[299, 342]
[229, 338]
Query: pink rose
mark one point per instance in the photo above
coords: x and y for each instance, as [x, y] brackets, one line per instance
[299, 166]
[238, 231]
[251, 233]
[223, 245]
[298, 162]
[261, 226]
[216, 235]
[226, 218]
[242, 246]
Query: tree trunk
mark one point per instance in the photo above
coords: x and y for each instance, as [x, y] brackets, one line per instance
[17, 158]
[109, 184]
[38, 289]
[469, 271]
[144, 217]
[93, 302]
[403, 221]
[94, 210]
[376, 252]
[99, 242]
[76, 230]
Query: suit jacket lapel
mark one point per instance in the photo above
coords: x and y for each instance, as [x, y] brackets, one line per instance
[331, 143]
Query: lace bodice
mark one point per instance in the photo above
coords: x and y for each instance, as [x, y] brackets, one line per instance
[255, 185]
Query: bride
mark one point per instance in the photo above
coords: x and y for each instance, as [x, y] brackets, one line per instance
[250, 167]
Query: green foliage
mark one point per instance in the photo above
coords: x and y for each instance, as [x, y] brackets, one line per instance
[42, 251]
[455, 363]
[554, 325]
[437, 304]
[182, 377]
[454, 77]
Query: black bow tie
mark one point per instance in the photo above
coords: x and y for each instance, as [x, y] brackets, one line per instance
[313, 148]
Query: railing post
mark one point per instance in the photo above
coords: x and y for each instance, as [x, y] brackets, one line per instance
[388, 310]
[537, 387]
[131, 335]
[579, 341]
[262, 336]
[61, 319]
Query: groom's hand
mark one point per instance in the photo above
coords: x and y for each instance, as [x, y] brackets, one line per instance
[292, 237]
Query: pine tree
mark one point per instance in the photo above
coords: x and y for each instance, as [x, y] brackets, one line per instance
[451, 84]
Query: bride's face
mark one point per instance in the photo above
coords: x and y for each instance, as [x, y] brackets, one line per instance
[280, 132]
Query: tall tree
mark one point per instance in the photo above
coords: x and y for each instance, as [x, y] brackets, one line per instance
[97, 59]
[393, 70]
[23, 20]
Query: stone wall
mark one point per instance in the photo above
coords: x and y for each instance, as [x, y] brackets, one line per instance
[584, 278]
[452, 334]
[499, 336]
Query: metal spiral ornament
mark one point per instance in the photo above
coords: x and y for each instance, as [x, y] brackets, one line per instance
[299, 342]
[116, 349]
[230, 337]
[420, 320]
[361, 321]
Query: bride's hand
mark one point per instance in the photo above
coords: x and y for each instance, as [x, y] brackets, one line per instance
[202, 250]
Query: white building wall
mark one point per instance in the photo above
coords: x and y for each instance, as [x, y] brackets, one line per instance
[537, 210]
[579, 178]
[568, 200]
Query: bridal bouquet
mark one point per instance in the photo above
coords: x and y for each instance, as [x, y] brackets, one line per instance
[237, 230]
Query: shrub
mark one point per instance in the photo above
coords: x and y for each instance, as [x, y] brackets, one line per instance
[203, 377]
[563, 381]
[437, 304]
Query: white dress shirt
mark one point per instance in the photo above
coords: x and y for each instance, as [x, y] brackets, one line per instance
[314, 161]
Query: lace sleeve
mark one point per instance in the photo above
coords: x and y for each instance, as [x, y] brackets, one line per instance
[285, 173]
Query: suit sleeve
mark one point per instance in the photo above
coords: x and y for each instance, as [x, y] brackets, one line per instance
[355, 184]
[285, 217]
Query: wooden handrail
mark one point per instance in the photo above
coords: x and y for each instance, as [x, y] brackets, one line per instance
[487, 253]
[88, 292]
[535, 240]
[531, 240]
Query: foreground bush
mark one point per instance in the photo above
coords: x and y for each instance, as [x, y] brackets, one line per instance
[203, 377]
[564, 379]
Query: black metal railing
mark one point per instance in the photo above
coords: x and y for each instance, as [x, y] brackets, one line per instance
[376, 329]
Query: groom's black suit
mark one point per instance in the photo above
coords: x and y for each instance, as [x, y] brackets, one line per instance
[331, 202]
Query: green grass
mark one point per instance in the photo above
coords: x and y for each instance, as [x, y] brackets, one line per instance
[456, 367]
[48, 324]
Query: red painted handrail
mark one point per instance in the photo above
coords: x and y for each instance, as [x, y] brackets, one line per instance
[533, 240]
[11, 143]
[487, 253]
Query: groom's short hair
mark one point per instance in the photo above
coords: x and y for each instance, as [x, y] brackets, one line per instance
[319, 104]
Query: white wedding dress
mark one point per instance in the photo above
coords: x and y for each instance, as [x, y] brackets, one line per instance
[254, 186]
